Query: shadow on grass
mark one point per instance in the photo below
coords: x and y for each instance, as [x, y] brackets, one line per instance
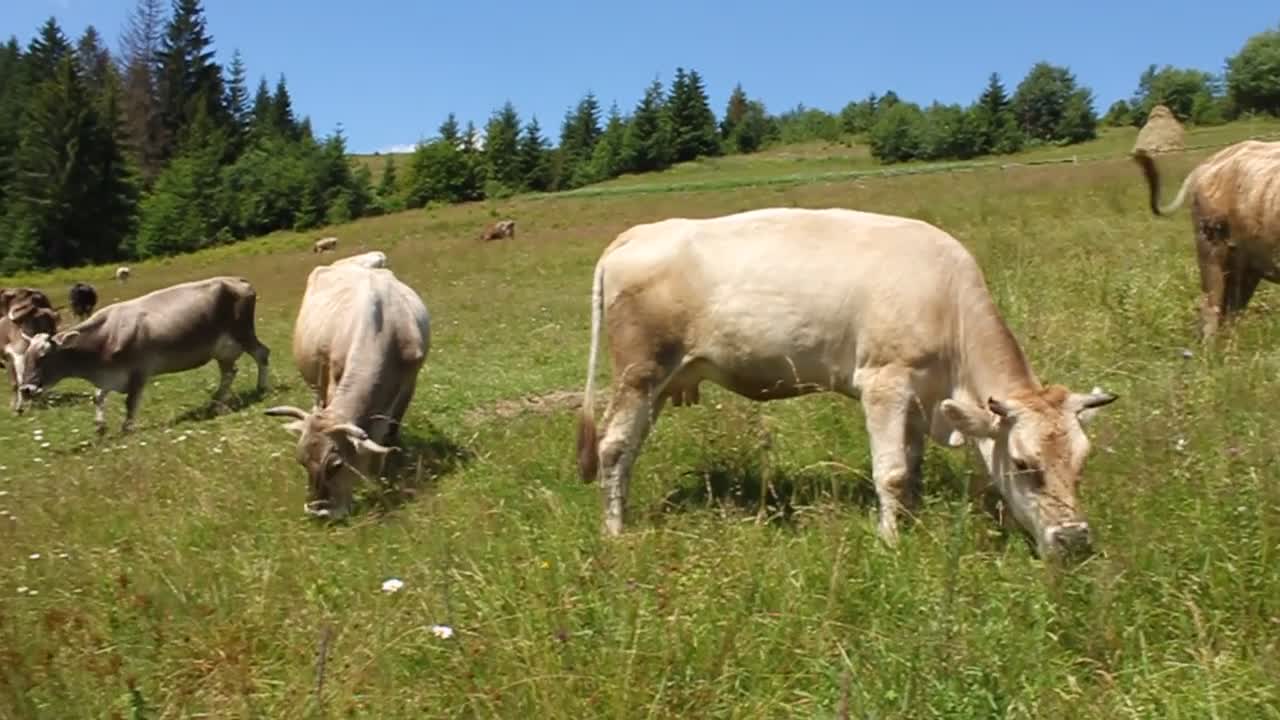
[753, 486]
[213, 408]
[423, 458]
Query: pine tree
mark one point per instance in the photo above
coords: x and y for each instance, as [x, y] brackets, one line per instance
[45, 51]
[535, 159]
[646, 144]
[387, 185]
[693, 125]
[282, 118]
[237, 102]
[606, 157]
[449, 131]
[13, 91]
[139, 45]
[993, 98]
[189, 81]
[260, 114]
[95, 60]
[578, 136]
[501, 147]
[734, 111]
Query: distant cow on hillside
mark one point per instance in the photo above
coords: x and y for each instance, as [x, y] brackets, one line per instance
[325, 245]
[84, 298]
[499, 230]
[122, 273]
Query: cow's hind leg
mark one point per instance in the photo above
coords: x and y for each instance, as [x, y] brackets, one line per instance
[897, 433]
[131, 399]
[632, 411]
[226, 375]
[246, 335]
[1212, 255]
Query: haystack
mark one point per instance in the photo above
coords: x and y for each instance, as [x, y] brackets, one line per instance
[1162, 133]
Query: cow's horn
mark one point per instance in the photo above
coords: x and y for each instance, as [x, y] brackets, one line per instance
[351, 429]
[287, 411]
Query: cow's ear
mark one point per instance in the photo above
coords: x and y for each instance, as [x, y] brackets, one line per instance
[66, 338]
[970, 419]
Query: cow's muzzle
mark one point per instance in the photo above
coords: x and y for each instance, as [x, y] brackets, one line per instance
[1071, 539]
[29, 391]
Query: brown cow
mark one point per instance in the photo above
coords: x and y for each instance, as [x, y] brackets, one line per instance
[171, 330]
[324, 245]
[1235, 211]
[782, 302]
[28, 316]
[498, 230]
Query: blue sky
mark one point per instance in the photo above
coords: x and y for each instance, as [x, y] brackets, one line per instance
[390, 70]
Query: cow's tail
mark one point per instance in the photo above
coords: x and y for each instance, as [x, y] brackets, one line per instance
[1152, 176]
[588, 436]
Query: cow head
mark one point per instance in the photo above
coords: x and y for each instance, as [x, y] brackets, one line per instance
[335, 455]
[1035, 449]
[45, 361]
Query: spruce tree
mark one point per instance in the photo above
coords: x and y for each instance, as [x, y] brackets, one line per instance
[282, 119]
[646, 144]
[606, 157]
[139, 45]
[260, 115]
[693, 125]
[501, 147]
[578, 136]
[13, 90]
[189, 81]
[735, 110]
[449, 131]
[95, 60]
[387, 184]
[535, 158]
[45, 51]
[237, 101]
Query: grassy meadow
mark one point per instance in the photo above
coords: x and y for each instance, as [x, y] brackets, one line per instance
[170, 573]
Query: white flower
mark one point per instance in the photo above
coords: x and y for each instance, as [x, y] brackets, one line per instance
[63, 556]
[44, 444]
[33, 592]
[444, 632]
[34, 556]
[3, 492]
[392, 585]
[22, 590]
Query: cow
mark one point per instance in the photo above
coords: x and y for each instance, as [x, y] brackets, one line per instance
[324, 245]
[83, 298]
[174, 329]
[122, 273]
[894, 312]
[359, 340]
[371, 259]
[1235, 213]
[499, 230]
[20, 320]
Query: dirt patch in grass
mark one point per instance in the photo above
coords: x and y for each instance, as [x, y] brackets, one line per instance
[541, 403]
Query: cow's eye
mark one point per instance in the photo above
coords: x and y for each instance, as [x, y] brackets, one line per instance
[1021, 465]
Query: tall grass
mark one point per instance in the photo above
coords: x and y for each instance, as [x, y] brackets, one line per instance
[177, 577]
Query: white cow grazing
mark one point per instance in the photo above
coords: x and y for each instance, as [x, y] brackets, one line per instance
[122, 273]
[371, 259]
[892, 311]
[360, 338]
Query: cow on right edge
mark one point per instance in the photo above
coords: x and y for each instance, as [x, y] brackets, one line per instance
[894, 312]
[1235, 212]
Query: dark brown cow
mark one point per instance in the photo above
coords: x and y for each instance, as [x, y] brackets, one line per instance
[178, 328]
[83, 299]
[499, 230]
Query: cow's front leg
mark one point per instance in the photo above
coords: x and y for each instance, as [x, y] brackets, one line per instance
[100, 410]
[897, 448]
[132, 396]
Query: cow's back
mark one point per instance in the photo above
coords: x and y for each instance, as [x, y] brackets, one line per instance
[350, 303]
[822, 284]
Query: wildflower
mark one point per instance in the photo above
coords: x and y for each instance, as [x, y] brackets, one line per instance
[22, 589]
[34, 556]
[44, 445]
[444, 632]
[392, 585]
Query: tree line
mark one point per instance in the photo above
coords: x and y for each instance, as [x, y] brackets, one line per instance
[157, 149]
[154, 149]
